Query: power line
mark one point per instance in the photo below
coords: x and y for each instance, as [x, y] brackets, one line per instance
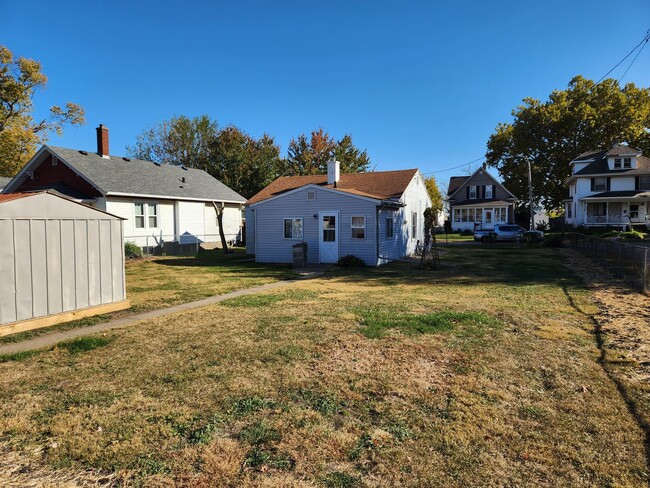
[647, 38]
[454, 167]
[643, 41]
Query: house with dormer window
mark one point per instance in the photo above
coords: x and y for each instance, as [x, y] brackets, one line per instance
[609, 187]
[479, 201]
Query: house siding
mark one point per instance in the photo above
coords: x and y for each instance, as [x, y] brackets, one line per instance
[416, 197]
[480, 179]
[269, 218]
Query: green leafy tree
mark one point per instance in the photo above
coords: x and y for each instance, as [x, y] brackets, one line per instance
[585, 116]
[20, 133]
[243, 163]
[179, 140]
[310, 156]
[434, 193]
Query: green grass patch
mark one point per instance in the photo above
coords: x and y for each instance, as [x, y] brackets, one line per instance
[17, 356]
[84, 344]
[259, 433]
[339, 479]
[252, 301]
[248, 405]
[259, 457]
[374, 323]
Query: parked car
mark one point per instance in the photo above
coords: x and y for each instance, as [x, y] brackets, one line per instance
[506, 232]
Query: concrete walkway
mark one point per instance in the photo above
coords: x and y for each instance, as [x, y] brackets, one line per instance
[50, 340]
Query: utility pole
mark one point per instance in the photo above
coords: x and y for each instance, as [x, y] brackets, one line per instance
[530, 196]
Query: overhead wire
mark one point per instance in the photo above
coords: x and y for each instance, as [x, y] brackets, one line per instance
[643, 42]
[647, 38]
[454, 167]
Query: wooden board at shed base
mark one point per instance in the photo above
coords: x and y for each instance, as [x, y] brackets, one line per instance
[59, 318]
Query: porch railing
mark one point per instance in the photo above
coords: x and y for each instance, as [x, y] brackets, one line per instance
[606, 219]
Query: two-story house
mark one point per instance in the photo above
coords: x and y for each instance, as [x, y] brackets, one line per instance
[479, 201]
[609, 187]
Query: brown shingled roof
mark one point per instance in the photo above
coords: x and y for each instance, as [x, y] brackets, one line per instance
[5, 197]
[455, 183]
[382, 185]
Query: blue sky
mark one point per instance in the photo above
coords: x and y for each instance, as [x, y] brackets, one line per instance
[419, 84]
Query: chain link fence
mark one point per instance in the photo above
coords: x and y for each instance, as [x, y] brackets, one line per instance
[627, 261]
[183, 245]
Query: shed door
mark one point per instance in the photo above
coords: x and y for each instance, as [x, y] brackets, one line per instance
[328, 241]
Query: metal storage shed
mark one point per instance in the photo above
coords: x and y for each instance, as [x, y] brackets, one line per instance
[59, 260]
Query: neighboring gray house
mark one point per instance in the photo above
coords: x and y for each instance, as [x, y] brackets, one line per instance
[479, 201]
[3, 182]
[161, 203]
[375, 216]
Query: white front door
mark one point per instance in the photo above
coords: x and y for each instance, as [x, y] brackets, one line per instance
[328, 241]
[487, 218]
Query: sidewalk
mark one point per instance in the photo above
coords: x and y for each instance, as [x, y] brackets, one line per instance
[50, 340]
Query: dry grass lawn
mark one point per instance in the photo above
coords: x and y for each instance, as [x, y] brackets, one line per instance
[160, 282]
[481, 374]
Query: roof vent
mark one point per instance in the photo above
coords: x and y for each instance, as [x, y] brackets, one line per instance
[85, 153]
[126, 159]
[183, 179]
[157, 163]
[183, 166]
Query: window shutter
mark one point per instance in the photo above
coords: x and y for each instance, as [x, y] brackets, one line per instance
[494, 191]
[636, 183]
[593, 182]
[467, 191]
[609, 183]
[482, 191]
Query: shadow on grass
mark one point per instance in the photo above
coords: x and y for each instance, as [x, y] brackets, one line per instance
[475, 266]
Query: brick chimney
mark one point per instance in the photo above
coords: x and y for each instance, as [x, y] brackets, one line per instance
[102, 141]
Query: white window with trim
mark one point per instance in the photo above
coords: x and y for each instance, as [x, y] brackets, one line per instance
[479, 215]
[456, 215]
[358, 227]
[634, 211]
[146, 215]
[627, 163]
[293, 228]
[472, 192]
[618, 163]
[488, 191]
[390, 228]
[414, 225]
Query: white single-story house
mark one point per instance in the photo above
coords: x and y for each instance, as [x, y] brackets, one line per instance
[161, 203]
[609, 187]
[59, 260]
[479, 201]
[375, 216]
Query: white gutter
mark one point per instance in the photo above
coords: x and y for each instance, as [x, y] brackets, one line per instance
[170, 197]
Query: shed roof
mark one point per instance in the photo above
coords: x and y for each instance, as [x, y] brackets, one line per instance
[140, 177]
[381, 185]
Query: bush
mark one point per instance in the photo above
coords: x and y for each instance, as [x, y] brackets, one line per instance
[350, 261]
[555, 240]
[132, 251]
[632, 235]
[543, 226]
[447, 226]
[467, 232]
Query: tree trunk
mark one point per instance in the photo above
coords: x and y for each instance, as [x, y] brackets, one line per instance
[219, 210]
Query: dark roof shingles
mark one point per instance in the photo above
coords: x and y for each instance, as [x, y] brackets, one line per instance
[136, 176]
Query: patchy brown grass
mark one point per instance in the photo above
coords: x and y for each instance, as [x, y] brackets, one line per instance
[161, 282]
[284, 388]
